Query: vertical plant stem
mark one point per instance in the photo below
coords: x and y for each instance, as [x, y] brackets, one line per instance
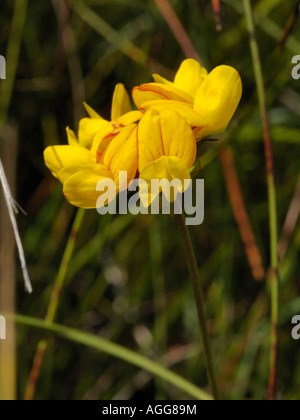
[217, 11]
[178, 30]
[53, 304]
[274, 276]
[8, 359]
[290, 223]
[12, 58]
[160, 330]
[199, 297]
[240, 213]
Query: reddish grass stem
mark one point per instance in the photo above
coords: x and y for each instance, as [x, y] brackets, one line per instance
[178, 30]
[240, 213]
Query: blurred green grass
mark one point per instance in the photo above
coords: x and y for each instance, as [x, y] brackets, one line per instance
[127, 281]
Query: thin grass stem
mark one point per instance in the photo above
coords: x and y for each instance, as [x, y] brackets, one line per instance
[53, 305]
[273, 275]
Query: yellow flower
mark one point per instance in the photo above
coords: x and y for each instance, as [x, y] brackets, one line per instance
[206, 101]
[167, 151]
[102, 150]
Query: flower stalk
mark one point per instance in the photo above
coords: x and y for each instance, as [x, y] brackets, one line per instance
[199, 298]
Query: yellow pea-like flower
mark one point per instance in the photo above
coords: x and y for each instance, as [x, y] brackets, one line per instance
[158, 140]
[206, 101]
[167, 151]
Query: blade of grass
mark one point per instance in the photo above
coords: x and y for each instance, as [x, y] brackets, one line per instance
[268, 26]
[241, 216]
[6, 91]
[290, 223]
[217, 11]
[12, 58]
[178, 30]
[273, 276]
[115, 350]
[53, 304]
[68, 44]
[290, 25]
[8, 359]
[111, 35]
[104, 29]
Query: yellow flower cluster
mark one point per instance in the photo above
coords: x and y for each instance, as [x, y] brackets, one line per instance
[159, 141]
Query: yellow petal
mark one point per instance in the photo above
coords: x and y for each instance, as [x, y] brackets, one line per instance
[101, 141]
[58, 157]
[69, 171]
[159, 79]
[122, 155]
[80, 189]
[218, 98]
[165, 134]
[129, 118]
[192, 117]
[190, 76]
[121, 102]
[158, 91]
[92, 113]
[166, 170]
[72, 139]
[88, 128]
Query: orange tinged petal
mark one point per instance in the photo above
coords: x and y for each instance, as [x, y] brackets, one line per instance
[122, 154]
[158, 91]
[192, 117]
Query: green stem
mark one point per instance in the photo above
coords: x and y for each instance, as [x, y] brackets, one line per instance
[160, 330]
[12, 58]
[115, 350]
[62, 274]
[199, 297]
[274, 277]
[53, 304]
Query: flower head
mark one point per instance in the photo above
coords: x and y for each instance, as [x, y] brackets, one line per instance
[158, 141]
